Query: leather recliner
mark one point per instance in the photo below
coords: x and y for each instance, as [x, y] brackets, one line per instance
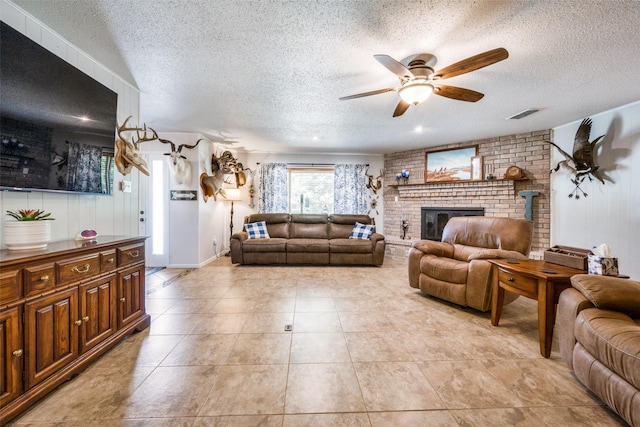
[456, 269]
[598, 325]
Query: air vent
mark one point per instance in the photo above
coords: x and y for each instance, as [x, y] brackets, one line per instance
[522, 114]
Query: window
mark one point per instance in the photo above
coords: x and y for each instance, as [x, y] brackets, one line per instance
[311, 191]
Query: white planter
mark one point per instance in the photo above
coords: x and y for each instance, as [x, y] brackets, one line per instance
[20, 235]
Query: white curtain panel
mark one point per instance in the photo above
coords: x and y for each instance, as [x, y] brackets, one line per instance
[273, 188]
[350, 189]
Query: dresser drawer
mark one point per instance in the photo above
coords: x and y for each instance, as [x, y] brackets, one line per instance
[76, 269]
[10, 285]
[39, 278]
[528, 285]
[131, 254]
[108, 261]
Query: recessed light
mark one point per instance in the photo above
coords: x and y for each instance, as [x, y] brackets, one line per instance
[315, 138]
[418, 129]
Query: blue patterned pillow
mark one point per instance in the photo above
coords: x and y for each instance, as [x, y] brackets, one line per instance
[362, 231]
[257, 230]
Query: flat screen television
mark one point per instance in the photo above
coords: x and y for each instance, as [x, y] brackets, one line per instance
[57, 124]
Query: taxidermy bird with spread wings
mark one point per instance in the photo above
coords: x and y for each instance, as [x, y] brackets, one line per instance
[582, 163]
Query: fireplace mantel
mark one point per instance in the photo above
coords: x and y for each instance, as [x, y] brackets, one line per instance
[419, 190]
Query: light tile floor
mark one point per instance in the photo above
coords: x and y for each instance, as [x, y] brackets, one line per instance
[366, 350]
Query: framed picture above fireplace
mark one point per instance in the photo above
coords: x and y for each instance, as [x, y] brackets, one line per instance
[449, 164]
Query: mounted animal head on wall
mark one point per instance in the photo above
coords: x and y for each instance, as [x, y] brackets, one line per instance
[178, 164]
[582, 163]
[127, 154]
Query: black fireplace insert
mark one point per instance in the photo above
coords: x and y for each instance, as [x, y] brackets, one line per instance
[433, 220]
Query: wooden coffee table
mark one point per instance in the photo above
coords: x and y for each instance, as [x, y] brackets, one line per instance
[533, 279]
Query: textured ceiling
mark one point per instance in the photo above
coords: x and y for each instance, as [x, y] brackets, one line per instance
[268, 74]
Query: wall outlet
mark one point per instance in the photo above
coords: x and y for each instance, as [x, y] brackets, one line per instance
[215, 241]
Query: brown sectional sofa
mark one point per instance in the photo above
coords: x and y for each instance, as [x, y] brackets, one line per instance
[599, 335]
[308, 239]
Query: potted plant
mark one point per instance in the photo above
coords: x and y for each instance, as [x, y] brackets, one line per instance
[30, 230]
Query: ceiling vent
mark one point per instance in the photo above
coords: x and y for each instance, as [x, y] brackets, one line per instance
[522, 114]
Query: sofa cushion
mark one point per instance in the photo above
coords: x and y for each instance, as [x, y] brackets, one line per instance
[277, 223]
[444, 269]
[265, 245]
[257, 230]
[308, 245]
[353, 246]
[362, 231]
[341, 225]
[610, 293]
[305, 226]
[612, 338]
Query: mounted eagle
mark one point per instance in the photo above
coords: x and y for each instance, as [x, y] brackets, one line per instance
[582, 163]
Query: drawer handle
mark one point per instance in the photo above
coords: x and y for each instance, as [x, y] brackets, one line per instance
[17, 353]
[123, 299]
[85, 269]
[85, 319]
[44, 278]
[78, 322]
[510, 279]
[133, 254]
[111, 260]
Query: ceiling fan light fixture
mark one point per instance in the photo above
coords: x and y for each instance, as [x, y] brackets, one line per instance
[415, 92]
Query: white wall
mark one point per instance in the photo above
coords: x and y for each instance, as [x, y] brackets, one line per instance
[376, 164]
[193, 225]
[109, 215]
[611, 212]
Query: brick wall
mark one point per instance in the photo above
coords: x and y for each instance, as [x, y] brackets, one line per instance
[528, 151]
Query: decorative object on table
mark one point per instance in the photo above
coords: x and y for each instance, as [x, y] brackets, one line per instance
[567, 256]
[418, 78]
[449, 164]
[127, 155]
[87, 235]
[232, 195]
[515, 173]
[601, 262]
[476, 168]
[582, 163]
[30, 230]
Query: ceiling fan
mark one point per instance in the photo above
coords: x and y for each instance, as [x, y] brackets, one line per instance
[418, 79]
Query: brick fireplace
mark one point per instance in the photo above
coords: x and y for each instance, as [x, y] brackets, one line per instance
[496, 197]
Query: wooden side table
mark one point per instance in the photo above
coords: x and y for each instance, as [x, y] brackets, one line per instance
[533, 279]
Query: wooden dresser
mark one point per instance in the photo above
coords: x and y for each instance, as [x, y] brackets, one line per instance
[61, 308]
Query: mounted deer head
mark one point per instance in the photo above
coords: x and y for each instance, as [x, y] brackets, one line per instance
[178, 164]
[127, 155]
[374, 186]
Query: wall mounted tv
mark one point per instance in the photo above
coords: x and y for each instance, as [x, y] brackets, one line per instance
[57, 124]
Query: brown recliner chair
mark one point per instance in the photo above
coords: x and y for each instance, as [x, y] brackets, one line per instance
[599, 334]
[456, 269]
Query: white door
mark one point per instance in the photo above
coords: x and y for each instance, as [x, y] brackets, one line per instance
[154, 214]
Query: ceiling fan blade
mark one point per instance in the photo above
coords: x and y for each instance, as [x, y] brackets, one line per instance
[373, 92]
[473, 63]
[394, 66]
[401, 108]
[458, 93]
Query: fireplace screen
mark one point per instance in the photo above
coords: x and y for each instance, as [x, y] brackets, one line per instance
[433, 220]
